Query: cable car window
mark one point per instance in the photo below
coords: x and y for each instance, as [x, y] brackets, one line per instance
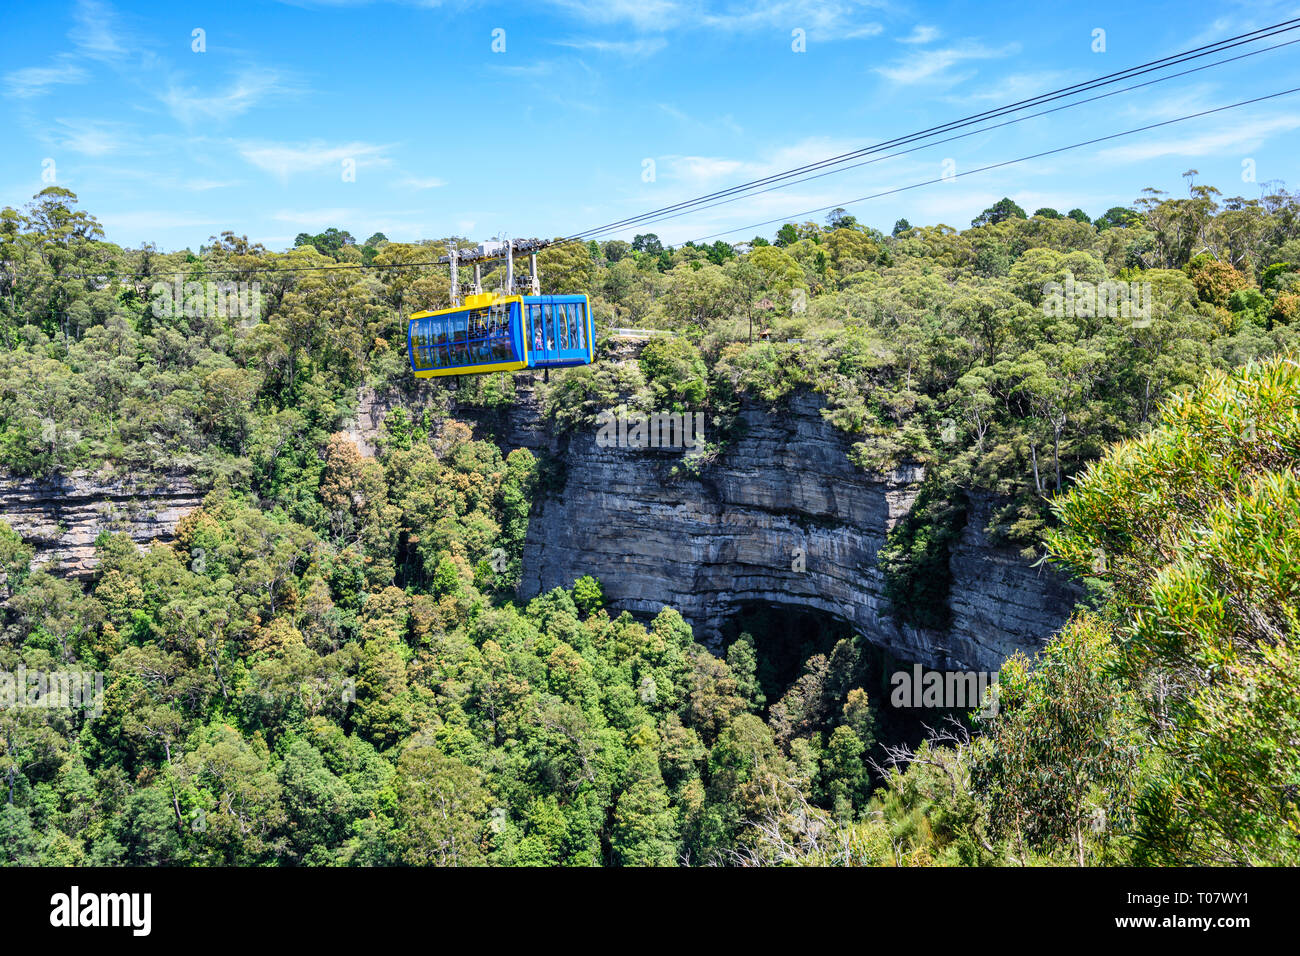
[420, 342]
[573, 325]
[502, 340]
[562, 319]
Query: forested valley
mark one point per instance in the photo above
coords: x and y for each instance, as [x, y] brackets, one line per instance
[327, 668]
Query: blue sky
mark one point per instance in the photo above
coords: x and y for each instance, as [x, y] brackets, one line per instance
[168, 145]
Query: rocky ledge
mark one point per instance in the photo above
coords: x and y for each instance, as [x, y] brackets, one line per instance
[63, 515]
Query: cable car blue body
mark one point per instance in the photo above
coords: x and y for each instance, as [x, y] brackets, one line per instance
[495, 333]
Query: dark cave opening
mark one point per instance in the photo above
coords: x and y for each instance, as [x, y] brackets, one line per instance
[786, 637]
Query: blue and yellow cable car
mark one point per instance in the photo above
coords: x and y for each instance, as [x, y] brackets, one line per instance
[496, 333]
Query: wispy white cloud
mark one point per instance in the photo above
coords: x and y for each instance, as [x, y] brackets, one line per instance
[416, 182]
[1177, 101]
[287, 159]
[538, 69]
[645, 15]
[203, 185]
[571, 85]
[932, 65]
[626, 48]
[921, 33]
[36, 80]
[1238, 138]
[709, 170]
[701, 169]
[88, 137]
[250, 87]
[727, 122]
[96, 33]
[823, 20]
[866, 30]
[806, 151]
[315, 217]
[1012, 88]
[1239, 16]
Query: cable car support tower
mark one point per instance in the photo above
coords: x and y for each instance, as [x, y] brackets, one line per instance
[508, 249]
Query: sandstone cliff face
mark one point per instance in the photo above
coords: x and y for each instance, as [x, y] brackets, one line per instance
[62, 516]
[784, 519]
[1000, 602]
